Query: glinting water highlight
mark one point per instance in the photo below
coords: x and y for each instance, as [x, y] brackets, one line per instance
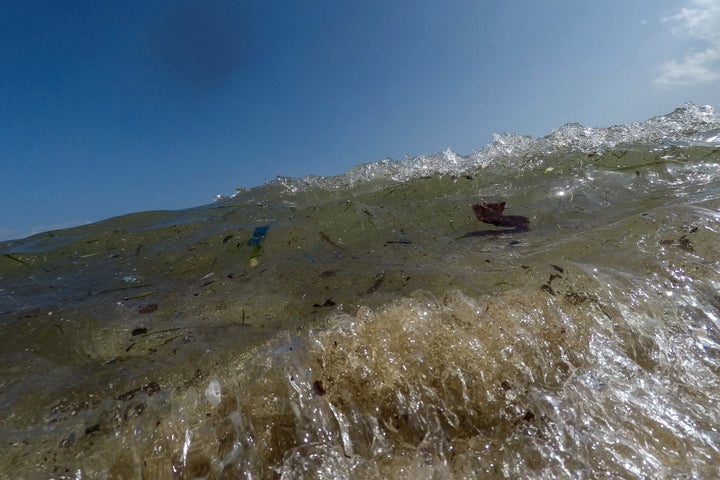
[542, 308]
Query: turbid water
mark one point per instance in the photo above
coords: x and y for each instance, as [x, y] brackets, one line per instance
[369, 326]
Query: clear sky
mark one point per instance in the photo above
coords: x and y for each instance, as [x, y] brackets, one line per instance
[113, 107]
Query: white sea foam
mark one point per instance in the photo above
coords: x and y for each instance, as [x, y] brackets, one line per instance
[690, 125]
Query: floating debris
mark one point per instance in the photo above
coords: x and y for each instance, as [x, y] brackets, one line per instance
[318, 388]
[255, 241]
[138, 295]
[12, 257]
[149, 389]
[492, 213]
[325, 238]
[255, 256]
[68, 441]
[149, 308]
[379, 278]
[328, 303]
[402, 240]
[684, 243]
[258, 235]
[92, 429]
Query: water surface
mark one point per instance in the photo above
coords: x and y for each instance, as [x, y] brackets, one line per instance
[349, 327]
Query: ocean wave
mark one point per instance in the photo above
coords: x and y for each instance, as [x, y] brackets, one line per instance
[551, 312]
[689, 125]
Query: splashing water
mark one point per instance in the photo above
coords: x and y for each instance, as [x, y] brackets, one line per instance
[348, 327]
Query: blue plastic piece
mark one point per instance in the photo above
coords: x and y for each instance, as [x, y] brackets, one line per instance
[258, 235]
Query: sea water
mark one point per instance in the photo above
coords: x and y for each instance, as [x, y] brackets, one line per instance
[369, 326]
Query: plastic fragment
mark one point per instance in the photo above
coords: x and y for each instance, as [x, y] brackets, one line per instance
[255, 241]
[258, 235]
[255, 256]
[139, 295]
[325, 238]
[492, 213]
[213, 393]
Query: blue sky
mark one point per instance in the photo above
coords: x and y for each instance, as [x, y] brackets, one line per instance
[108, 108]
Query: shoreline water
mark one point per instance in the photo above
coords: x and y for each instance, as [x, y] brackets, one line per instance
[356, 330]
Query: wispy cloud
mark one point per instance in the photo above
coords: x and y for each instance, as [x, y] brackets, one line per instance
[700, 19]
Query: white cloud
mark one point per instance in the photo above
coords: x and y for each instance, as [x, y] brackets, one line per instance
[700, 19]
